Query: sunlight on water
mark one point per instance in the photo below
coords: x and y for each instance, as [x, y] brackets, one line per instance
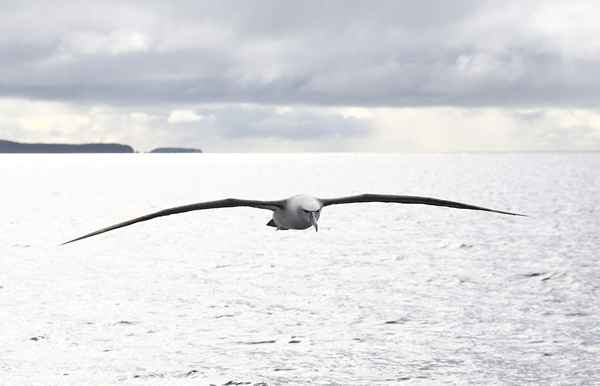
[382, 294]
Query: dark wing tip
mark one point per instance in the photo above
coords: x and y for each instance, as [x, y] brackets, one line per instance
[82, 237]
[508, 213]
[505, 212]
[71, 241]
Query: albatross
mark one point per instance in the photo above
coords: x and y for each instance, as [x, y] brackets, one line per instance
[297, 212]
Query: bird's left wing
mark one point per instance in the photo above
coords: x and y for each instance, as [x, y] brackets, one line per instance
[226, 203]
[407, 200]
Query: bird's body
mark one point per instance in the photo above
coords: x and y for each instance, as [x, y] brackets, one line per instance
[297, 212]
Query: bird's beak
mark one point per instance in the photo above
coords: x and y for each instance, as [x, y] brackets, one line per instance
[313, 220]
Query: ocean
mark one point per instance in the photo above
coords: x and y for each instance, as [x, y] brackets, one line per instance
[383, 294]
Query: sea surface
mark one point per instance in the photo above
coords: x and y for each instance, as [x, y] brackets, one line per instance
[383, 294]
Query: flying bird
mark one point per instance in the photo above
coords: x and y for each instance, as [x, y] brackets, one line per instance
[297, 212]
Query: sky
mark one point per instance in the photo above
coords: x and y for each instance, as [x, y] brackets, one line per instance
[303, 76]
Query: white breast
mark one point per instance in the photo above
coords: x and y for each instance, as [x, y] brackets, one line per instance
[292, 216]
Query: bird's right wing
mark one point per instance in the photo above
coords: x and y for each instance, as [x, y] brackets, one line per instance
[407, 200]
[226, 203]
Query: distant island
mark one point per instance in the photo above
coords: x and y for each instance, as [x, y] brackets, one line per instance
[56, 148]
[18, 147]
[175, 150]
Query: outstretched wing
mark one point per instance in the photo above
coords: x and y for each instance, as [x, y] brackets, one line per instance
[226, 203]
[407, 200]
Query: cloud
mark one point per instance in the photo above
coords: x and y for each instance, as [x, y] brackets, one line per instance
[92, 43]
[212, 127]
[269, 75]
[184, 116]
[456, 129]
[244, 127]
[253, 127]
[398, 53]
[237, 121]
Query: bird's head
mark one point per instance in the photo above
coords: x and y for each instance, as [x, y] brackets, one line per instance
[310, 210]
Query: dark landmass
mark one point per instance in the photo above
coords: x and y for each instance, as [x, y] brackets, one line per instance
[17, 147]
[175, 150]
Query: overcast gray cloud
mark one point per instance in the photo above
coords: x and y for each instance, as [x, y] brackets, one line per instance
[266, 121]
[249, 59]
[394, 53]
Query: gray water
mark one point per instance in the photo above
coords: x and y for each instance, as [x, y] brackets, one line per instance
[381, 295]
